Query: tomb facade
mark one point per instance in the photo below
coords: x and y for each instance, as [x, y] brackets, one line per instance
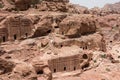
[16, 27]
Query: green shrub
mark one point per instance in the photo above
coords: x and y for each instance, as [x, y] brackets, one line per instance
[33, 2]
[103, 55]
[1, 6]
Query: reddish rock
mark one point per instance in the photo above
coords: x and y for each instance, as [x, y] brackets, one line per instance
[78, 25]
[77, 9]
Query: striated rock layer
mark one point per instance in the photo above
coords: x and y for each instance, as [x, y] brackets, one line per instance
[58, 40]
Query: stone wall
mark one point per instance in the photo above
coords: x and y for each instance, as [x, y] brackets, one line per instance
[69, 63]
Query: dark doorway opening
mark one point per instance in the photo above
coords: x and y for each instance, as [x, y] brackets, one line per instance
[64, 68]
[54, 70]
[4, 39]
[85, 56]
[85, 47]
[85, 66]
[26, 34]
[110, 41]
[74, 68]
[15, 37]
[61, 46]
[56, 26]
[40, 72]
[62, 33]
[49, 31]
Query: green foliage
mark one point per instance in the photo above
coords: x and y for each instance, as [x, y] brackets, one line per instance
[103, 55]
[1, 6]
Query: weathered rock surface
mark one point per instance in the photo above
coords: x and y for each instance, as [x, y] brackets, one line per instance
[112, 8]
[88, 42]
[17, 70]
[111, 20]
[77, 9]
[23, 71]
[57, 40]
[25, 4]
[6, 66]
[18, 4]
[77, 25]
[107, 9]
[47, 23]
[52, 6]
[95, 11]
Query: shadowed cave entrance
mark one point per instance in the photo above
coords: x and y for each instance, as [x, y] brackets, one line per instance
[4, 39]
[40, 72]
[15, 36]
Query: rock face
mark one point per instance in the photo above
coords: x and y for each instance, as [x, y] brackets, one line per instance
[45, 5]
[44, 26]
[95, 11]
[18, 4]
[111, 20]
[89, 42]
[16, 70]
[53, 6]
[107, 9]
[113, 8]
[42, 68]
[23, 71]
[6, 66]
[65, 1]
[22, 4]
[74, 26]
[58, 40]
[77, 9]
[47, 23]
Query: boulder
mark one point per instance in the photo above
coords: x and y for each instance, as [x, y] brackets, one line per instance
[52, 6]
[77, 25]
[41, 68]
[25, 4]
[47, 23]
[44, 27]
[111, 20]
[18, 4]
[77, 9]
[23, 71]
[6, 66]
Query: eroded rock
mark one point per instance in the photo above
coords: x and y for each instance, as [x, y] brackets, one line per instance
[77, 25]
